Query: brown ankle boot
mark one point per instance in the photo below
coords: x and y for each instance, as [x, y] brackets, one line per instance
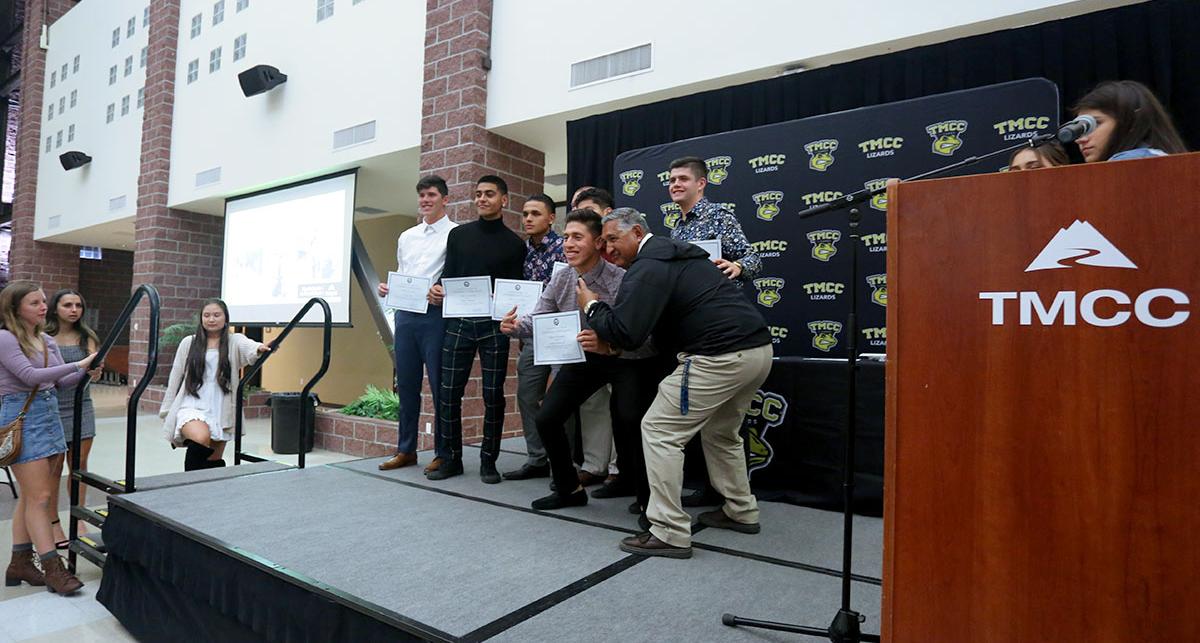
[22, 569]
[58, 579]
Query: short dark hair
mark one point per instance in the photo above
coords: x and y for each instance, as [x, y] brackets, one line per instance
[588, 218]
[1141, 120]
[494, 180]
[694, 163]
[602, 197]
[544, 200]
[433, 181]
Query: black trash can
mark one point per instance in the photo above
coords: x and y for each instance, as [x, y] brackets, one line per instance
[285, 422]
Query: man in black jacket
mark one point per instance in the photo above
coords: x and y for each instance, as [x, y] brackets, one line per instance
[673, 291]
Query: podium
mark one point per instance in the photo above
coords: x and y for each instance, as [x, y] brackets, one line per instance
[1042, 472]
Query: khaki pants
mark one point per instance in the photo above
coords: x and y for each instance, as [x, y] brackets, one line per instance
[596, 432]
[720, 388]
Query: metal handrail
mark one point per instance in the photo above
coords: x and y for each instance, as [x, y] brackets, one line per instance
[327, 327]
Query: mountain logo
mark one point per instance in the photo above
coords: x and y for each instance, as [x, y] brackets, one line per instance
[1079, 244]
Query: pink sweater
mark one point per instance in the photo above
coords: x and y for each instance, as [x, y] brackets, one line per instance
[19, 373]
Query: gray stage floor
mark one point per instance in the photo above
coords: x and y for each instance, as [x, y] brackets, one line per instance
[473, 561]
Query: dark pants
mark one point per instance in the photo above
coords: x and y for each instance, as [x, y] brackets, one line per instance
[417, 347]
[464, 337]
[634, 385]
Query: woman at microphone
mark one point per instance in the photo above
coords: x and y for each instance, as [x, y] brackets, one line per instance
[1130, 124]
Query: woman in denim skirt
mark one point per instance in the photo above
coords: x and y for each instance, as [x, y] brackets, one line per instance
[30, 360]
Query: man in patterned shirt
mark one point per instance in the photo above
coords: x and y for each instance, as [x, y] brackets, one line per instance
[702, 220]
[544, 249]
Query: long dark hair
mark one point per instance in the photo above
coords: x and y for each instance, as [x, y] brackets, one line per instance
[195, 358]
[1141, 121]
[54, 324]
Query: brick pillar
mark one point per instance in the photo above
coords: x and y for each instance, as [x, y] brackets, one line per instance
[55, 265]
[178, 252]
[456, 145]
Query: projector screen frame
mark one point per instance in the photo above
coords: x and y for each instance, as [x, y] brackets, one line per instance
[349, 323]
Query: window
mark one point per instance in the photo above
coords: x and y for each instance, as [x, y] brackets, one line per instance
[356, 1]
[324, 9]
[239, 47]
[70, 133]
[214, 60]
[193, 71]
[242, 4]
[50, 112]
[74, 96]
[141, 97]
[110, 113]
[58, 140]
[145, 57]
[116, 37]
[130, 26]
[124, 104]
[62, 104]
[146, 16]
[49, 143]
[64, 71]
[112, 75]
[91, 252]
[128, 65]
[53, 79]
[218, 12]
[75, 65]
[196, 20]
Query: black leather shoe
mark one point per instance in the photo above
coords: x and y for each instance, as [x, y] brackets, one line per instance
[613, 489]
[643, 522]
[554, 501]
[528, 471]
[718, 520]
[635, 508]
[488, 473]
[447, 469]
[705, 497]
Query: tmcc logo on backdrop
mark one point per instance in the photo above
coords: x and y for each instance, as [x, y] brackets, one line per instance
[1082, 245]
[631, 182]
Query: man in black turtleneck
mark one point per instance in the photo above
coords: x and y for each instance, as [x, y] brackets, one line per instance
[482, 247]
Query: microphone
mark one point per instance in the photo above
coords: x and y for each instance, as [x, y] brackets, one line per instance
[1080, 126]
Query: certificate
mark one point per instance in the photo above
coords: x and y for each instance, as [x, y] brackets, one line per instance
[559, 266]
[514, 292]
[711, 246]
[554, 339]
[406, 292]
[467, 297]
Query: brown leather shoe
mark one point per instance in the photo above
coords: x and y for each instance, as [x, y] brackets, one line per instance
[437, 462]
[718, 520]
[587, 478]
[58, 579]
[397, 461]
[22, 569]
[647, 544]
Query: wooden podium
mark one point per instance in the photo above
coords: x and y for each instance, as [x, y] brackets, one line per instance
[1042, 475]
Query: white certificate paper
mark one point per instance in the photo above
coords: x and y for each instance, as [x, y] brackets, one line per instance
[554, 339]
[514, 292]
[711, 246]
[406, 292]
[559, 266]
[467, 297]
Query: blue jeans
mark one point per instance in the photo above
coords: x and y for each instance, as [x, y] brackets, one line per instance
[417, 343]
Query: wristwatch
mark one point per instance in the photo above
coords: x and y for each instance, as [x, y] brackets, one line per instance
[587, 310]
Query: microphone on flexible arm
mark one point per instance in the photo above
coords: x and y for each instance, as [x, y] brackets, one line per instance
[1080, 126]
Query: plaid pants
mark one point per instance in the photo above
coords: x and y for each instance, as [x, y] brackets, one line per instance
[463, 338]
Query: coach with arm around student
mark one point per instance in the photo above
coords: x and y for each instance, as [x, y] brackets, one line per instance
[723, 349]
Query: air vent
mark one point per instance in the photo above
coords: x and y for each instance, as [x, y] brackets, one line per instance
[208, 177]
[610, 66]
[53, 222]
[116, 203]
[366, 209]
[354, 135]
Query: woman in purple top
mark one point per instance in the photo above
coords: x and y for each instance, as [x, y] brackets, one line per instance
[30, 360]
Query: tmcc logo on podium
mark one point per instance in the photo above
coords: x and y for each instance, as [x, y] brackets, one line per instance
[1082, 245]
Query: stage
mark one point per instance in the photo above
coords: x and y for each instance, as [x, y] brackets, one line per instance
[346, 552]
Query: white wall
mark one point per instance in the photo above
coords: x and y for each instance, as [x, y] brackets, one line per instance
[534, 42]
[71, 201]
[363, 63]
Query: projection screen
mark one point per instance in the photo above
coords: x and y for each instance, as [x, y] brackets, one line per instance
[285, 246]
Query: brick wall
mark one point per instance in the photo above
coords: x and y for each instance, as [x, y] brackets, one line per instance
[106, 285]
[178, 252]
[54, 265]
[456, 145]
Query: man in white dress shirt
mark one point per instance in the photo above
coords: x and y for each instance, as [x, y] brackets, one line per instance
[420, 252]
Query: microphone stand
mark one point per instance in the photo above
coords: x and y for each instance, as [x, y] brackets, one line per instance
[846, 625]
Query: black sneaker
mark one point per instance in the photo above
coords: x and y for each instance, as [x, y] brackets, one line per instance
[614, 489]
[643, 522]
[448, 469]
[529, 471]
[488, 473]
[635, 508]
[554, 501]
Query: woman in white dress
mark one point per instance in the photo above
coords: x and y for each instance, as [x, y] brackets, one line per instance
[199, 404]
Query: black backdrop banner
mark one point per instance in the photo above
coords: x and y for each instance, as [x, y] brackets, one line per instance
[765, 175]
[1151, 42]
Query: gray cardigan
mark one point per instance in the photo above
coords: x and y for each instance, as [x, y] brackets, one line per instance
[243, 352]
